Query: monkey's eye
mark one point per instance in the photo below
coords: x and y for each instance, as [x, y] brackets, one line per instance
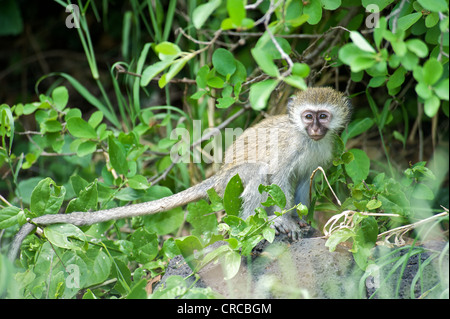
[323, 116]
[308, 116]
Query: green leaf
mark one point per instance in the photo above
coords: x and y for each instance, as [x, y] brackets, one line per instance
[201, 217]
[225, 102]
[167, 50]
[338, 237]
[296, 81]
[431, 105]
[215, 82]
[230, 262]
[441, 89]
[202, 76]
[138, 182]
[203, 11]
[331, 4]
[422, 191]
[174, 70]
[314, 10]
[232, 196]
[86, 148]
[153, 70]
[373, 204]
[223, 61]
[165, 222]
[434, 5]
[432, 71]
[145, 245]
[265, 62]
[361, 42]
[80, 128]
[236, 11]
[47, 197]
[62, 235]
[358, 169]
[396, 79]
[188, 246]
[99, 265]
[87, 200]
[260, 93]
[117, 156]
[357, 127]
[95, 119]
[276, 196]
[60, 97]
[358, 60]
[405, 22]
[8, 216]
[301, 69]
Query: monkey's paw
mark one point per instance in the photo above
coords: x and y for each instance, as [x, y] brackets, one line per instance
[288, 225]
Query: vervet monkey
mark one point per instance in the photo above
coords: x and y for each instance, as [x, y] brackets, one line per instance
[282, 150]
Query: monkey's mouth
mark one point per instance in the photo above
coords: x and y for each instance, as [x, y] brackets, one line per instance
[316, 137]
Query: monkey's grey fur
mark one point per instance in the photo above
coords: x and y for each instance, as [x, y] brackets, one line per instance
[282, 150]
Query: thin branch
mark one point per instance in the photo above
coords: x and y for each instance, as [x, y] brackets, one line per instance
[326, 179]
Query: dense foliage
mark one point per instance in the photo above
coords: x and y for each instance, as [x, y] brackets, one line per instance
[150, 125]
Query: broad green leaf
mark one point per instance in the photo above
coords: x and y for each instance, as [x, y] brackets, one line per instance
[8, 216]
[215, 82]
[432, 71]
[331, 4]
[86, 201]
[145, 245]
[314, 10]
[47, 197]
[99, 265]
[442, 90]
[80, 128]
[203, 11]
[296, 81]
[117, 156]
[301, 69]
[153, 70]
[201, 217]
[358, 169]
[201, 77]
[405, 22]
[224, 62]
[276, 196]
[188, 246]
[373, 204]
[230, 262]
[260, 93]
[422, 191]
[65, 236]
[165, 222]
[95, 119]
[138, 182]
[265, 62]
[174, 70]
[338, 237]
[60, 97]
[86, 148]
[434, 5]
[232, 200]
[361, 42]
[167, 50]
[380, 4]
[431, 105]
[236, 11]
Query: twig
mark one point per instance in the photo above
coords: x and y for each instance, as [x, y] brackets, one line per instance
[326, 179]
[402, 230]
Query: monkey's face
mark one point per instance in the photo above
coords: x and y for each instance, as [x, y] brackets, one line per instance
[316, 123]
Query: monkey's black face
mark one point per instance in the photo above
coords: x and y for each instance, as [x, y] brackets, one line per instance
[316, 123]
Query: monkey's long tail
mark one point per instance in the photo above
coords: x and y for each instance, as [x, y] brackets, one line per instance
[191, 194]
